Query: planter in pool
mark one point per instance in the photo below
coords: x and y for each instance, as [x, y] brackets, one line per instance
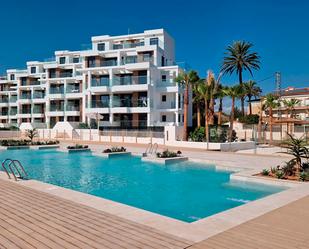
[165, 160]
[113, 154]
[74, 150]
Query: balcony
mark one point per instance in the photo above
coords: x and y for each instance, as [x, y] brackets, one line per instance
[129, 102]
[25, 111]
[72, 108]
[128, 45]
[99, 82]
[37, 109]
[25, 96]
[72, 89]
[129, 80]
[55, 108]
[38, 95]
[35, 83]
[103, 63]
[56, 90]
[13, 99]
[13, 112]
[166, 106]
[4, 100]
[100, 104]
[61, 75]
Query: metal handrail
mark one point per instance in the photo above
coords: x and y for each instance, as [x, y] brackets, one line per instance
[12, 163]
[154, 148]
[148, 149]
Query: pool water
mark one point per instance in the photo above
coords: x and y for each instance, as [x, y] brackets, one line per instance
[186, 191]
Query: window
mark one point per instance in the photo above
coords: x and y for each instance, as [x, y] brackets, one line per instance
[101, 46]
[33, 70]
[12, 76]
[163, 98]
[163, 118]
[163, 78]
[91, 61]
[154, 41]
[62, 60]
[75, 60]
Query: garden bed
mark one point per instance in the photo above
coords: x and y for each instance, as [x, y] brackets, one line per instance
[75, 148]
[166, 157]
[114, 151]
[12, 144]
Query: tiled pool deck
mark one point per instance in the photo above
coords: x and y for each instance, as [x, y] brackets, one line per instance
[38, 215]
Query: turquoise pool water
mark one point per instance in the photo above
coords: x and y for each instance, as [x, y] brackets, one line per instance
[186, 191]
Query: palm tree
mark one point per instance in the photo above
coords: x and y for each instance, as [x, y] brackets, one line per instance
[186, 80]
[197, 99]
[234, 92]
[271, 102]
[239, 58]
[220, 95]
[251, 90]
[212, 84]
[290, 106]
[204, 91]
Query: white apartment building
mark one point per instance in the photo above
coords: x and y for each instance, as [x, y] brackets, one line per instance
[122, 81]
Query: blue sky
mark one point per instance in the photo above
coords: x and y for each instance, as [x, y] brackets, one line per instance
[33, 30]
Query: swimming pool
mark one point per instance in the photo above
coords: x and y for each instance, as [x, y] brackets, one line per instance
[185, 191]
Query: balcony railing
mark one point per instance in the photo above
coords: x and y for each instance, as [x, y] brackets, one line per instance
[170, 105]
[35, 83]
[25, 96]
[13, 112]
[99, 82]
[74, 108]
[56, 90]
[127, 45]
[38, 95]
[108, 63]
[72, 89]
[166, 83]
[3, 113]
[130, 102]
[61, 75]
[130, 80]
[54, 108]
[100, 104]
[37, 109]
[13, 99]
[4, 100]
[26, 111]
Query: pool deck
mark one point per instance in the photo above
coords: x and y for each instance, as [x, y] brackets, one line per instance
[33, 219]
[38, 215]
[285, 227]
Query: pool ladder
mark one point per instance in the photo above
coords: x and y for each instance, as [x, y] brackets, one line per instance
[151, 149]
[9, 165]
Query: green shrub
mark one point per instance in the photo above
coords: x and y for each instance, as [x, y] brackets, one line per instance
[249, 119]
[83, 126]
[198, 135]
[289, 168]
[115, 149]
[168, 154]
[265, 172]
[304, 176]
[11, 142]
[280, 174]
[77, 146]
[274, 170]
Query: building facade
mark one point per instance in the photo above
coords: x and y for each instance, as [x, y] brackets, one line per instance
[121, 81]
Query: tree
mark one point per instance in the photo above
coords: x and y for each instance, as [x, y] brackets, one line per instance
[271, 102]
[212, 84]
[297, 148]
[186, 80]
[220, 95]
[239, 58]
[251, 90]
[31, 134]
[197, 99]
[204, 92]
[234, 92]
